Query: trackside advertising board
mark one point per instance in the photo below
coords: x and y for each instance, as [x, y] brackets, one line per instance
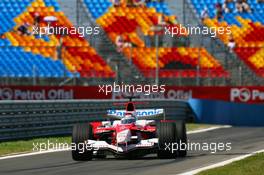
[231, 94]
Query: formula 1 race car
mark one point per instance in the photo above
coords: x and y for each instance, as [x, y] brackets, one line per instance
[131, 134]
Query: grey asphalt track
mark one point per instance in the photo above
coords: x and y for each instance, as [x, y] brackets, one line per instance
[244, 140]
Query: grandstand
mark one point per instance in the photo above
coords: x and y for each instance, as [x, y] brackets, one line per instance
[182, 60]
[247, 30]
[20, 53]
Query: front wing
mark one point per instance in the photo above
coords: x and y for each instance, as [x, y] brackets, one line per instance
[143, 144]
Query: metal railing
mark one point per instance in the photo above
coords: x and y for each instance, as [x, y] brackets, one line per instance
[27, 119]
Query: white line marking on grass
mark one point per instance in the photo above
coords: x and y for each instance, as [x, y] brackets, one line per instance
[31, 154]
[220, 164]
[16, 155]
[208, 129]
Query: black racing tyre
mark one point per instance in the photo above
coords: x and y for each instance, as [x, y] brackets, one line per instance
[181, 138]
[80, 134]
[166, 133]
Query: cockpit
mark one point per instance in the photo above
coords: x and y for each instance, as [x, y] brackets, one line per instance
[128, 120]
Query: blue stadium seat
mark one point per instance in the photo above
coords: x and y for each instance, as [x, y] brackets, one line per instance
[97, 7]
[15, 62]
[161, 7]
[255, 16]
[9, 9]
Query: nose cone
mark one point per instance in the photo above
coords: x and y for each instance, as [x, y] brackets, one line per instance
[123, 136]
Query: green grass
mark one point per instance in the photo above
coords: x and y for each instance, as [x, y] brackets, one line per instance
[253, 165]
[27, 145]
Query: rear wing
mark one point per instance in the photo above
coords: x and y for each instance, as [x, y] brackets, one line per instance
[141, 114]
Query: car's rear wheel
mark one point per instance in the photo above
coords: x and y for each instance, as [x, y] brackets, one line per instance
[80, 135]
[181, 138]
[166, 133]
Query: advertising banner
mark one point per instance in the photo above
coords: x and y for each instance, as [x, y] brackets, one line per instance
[50, 93]
[231, 94]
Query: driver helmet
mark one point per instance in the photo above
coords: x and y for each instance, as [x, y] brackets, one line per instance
[129, 118]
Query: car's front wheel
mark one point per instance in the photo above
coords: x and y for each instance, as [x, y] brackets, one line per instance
[80, 135]
[166, 133]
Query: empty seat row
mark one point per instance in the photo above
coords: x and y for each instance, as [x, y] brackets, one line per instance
[83, 62]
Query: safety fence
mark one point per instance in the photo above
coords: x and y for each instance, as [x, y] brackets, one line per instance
[27, 119]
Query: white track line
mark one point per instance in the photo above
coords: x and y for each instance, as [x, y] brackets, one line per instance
[208, 129]
[223, 163]
[31, 154]
[52, 151]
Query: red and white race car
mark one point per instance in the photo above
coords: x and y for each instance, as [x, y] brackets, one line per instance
[131, 133]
